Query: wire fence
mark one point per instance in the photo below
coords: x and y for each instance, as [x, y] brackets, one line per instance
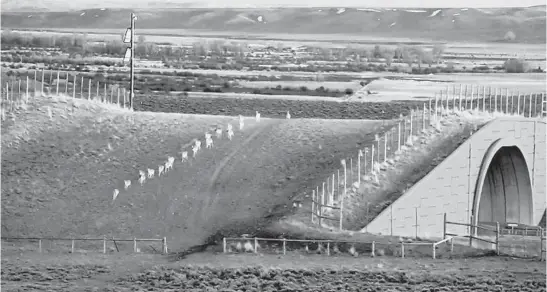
[117, 243]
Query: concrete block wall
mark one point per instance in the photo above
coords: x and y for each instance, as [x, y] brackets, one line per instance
[450, 187]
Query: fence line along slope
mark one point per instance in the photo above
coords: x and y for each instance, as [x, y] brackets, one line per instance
[62, 158]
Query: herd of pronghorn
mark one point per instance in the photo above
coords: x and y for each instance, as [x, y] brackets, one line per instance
[168, 165]
[248, 247]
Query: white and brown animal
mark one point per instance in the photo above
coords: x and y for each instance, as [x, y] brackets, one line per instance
[151, 173]
[127, 184]
[257, 117]
[160, 169]
[184, 155]
[209, 143]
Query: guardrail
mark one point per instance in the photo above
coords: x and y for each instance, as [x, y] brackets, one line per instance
[104, 240]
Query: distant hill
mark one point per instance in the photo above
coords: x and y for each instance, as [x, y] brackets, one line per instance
[455, 24]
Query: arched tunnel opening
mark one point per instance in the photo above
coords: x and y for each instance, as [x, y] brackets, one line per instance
[506, 193]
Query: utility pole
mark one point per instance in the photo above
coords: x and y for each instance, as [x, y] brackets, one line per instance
[129, 37]
[132, 70]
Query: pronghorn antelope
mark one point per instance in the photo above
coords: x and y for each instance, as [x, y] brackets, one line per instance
[127, 184]
[207, 135]
[241, 124]
[141, 173]
[352, 251]
[219, 133]
[229, 127]
[248, 246]
[115, 194]
[198, 144]
[209, 143]
[169, 163]
[184, 156]
[160, 169]
[142, 178]
[151, 173]
[230, 134]
[257, 116]
[194, 150]
[288, 115]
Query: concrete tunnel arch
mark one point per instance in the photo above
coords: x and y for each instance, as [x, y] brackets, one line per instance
[504, 191]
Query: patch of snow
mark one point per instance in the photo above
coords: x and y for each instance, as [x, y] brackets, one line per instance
[368, 10]
[320, 10]
[96, 15]
[394, 9]
[82, 14]
[416, 11]
[103, 9]
[453, 20]
[464, 9]
[341, 10]
[392, 24]
[29, 16]
[435, 13]
[456, 14]
[259, 18]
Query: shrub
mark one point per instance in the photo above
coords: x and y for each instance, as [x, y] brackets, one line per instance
[516, 66]
[303, 88]
[349, 91]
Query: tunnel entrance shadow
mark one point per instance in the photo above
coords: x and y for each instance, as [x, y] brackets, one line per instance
[504, 191]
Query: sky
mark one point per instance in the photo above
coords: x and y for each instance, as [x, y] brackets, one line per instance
[87, 4]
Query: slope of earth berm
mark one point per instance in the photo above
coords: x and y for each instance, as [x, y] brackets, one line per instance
[62, 159]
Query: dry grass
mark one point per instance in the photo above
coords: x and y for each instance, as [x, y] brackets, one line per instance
[58, 173]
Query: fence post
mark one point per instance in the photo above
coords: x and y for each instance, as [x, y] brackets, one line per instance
[322, 200]
[284, 246]
[342, 199]
[165, 250]
[39, 245]
[535, 105]
[135, 244]
[385, 146]
[460, 96]
[89, 90]
[42, 85]
[351, 170]
[372, 159]
[518, 103]
[423, 117]
[410, 135]
[111, 93]
[359, 154]
[444, 226]
[372, 253]
[66, 84]
[416, 222]
[82, 88]
[72, 247]
[26, 93]
[436, 104]
[497, 238]
[490, 99]
[332, 189]
[74, 88]
[434, 251]
[104, 238]
[399, 136]
[19, 90]
[506, 100]
[402, 250]
[98, 96]
[118, 103]
[484, 98]
[256, 245]
[105, 94]
[312, 206]
[224, 245]
[530, 107]
[57, 86]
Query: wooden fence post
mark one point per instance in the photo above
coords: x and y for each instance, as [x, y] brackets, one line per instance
[57, 86]
[165, 249]
[460, 96]
[490, 99]
[385, 146]
[35, 84]
[484, 98]
[74, 88]
[104, 237]
[66, 84]
[82, 88]
[89, 90]
[410, 136]
[118, 103]
[72, 247]
[373, 248]
[256, 245]
[98, 96]
[105, 94]
[372, 159]
[223, 245]
[284, 246]
[26, 93]
[444, 226]
[313, 206]
[506, 100]
[530, 107]
[135, 244]
[423, 117]
[436, 108]
[39, 245]
[42, 85]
